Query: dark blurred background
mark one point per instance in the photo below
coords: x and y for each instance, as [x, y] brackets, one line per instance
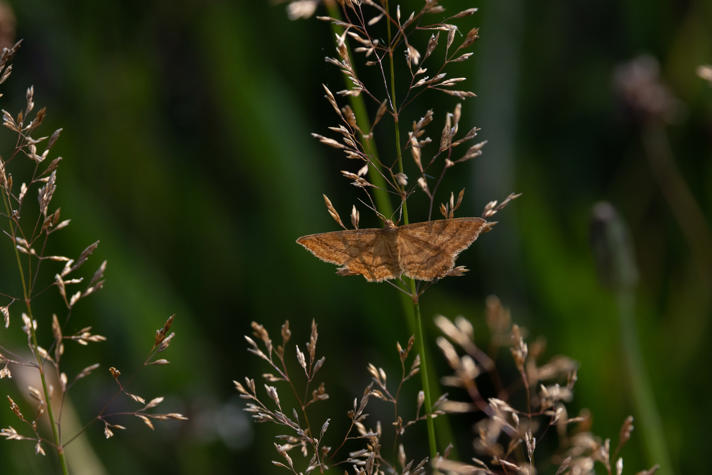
[187, 154]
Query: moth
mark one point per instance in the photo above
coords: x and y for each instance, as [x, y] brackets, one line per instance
[423, 251]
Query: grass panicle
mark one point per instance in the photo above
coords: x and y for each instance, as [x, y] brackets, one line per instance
[30, 218]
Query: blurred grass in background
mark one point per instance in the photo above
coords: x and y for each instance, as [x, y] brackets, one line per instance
[187, 153]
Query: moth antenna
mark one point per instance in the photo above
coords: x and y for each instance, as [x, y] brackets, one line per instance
[399, 212]
[373, 208]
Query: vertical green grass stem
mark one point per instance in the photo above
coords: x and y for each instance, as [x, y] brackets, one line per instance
[411, 307]
[641, 391]
[419, 333]
[619, 271]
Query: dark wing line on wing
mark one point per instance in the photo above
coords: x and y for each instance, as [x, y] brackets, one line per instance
[319, 237]
[422, 243]
[446, 260]
[428, 260]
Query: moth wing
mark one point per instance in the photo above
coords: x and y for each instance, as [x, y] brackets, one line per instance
[427, 250]
[371, 253]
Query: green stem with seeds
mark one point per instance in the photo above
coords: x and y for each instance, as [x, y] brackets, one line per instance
[415, 302]
[411, 307]
[33, 337]
[419, 334]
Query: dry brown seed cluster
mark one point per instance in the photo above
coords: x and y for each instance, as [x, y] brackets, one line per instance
[361, 448]
[300, 433]
[507, 438]
[40, 379]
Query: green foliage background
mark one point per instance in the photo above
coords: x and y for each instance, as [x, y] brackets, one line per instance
[187, 153]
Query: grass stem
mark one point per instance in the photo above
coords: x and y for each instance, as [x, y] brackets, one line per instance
[619, 271]
[27, 295]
